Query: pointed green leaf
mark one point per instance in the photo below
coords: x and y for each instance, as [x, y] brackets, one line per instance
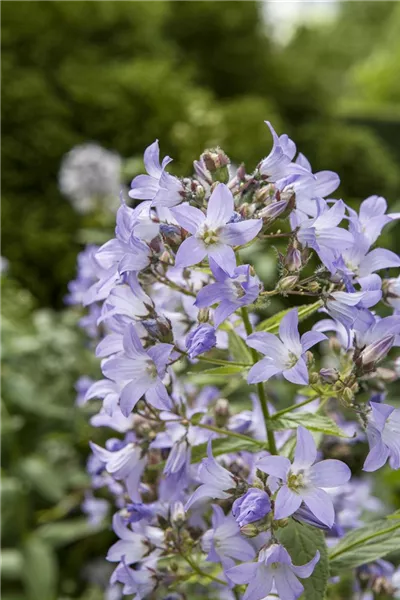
[238, 348]
[271, 325]
[366, 544]
[224, 370]
[225, 446]
[302, 541]
[312, 421]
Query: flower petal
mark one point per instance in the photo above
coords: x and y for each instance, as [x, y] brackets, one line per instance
[188, 217]
[377, 457]
[190, 252]
[311, 338]
[320, 504]
[224, 256]
[329, 473]
[297, 374]
[287, 584]
[242, 232]
[289, 330]
[262, 371]
[220, 205]
[286, 503]
[304, 571]
[278, 466]
[306, 450]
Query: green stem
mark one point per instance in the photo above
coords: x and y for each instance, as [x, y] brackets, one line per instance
[200, 571]
[173, 285]
[260, 387]
[216, 361]
[240, 436]
[294, 406]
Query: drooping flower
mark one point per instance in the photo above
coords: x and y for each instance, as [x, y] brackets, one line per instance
[304, 481]
[224, 542]
[213, 234]
[253, 506]
[383, 433]
[201, 339]
[216, 481]
[140, 371]
[323, 234]
[274, 567]
[284, 354]
[275, 165]
[145, 187]
[126, 463]
[232, 292]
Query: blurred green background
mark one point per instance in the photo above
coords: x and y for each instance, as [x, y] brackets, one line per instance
[193, 74]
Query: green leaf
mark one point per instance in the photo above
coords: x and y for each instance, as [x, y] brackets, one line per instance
[66, 532]
[271, 325]
[312, 421]
[302, 541]
[11, 563]
[238, 348]
[225, 446]
[40, 570]
[366, 544]
[42, 477]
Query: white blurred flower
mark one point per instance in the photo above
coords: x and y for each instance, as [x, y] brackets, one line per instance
[91, 176]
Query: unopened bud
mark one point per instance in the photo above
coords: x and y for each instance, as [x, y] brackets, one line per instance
[203, 315]
[282, 522]
[250, 530]
[388, 375]
[272, 211]
[221, 411]
[310, 358]
[178, 514]
[287, 283]
[171, 234]
[329, 375]
[216, 162]
[313, 286]
[375, 352]
[166, 258]
[265, 195]
[314, 378]
[391, 291]
[159, 329]
[348, 395]
[293, 260]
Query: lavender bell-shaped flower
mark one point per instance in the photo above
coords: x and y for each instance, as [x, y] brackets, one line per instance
[284, 354]
[274, 567]
[383, 433]
[253, 506]
[304, 481]
[201, 339]
[231, 292]
[213, 234]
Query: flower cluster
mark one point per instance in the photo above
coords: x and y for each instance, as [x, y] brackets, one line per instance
[176, 314]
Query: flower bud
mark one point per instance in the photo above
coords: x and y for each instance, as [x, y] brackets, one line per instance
[313, 286]
[391, 292]
[250, 530]
[203, 315]
[216, 162]
[287, 283]
[314, 378]
[348, 395]
[265, 195]
[329, 375]
[159, 329]
[388, 375]
[171, 234]
[178, 514]
[272, 211]
[375, 352]
[201, 339]
[251, 507]
[293, 260]
[221, 411]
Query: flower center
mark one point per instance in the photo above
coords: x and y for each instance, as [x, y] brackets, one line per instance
[209, 236]
[151, 369]
[292, 360]
[296, 481]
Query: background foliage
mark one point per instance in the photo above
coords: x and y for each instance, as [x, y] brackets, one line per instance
[193, 74]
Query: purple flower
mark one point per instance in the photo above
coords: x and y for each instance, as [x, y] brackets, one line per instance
[201, 339]
[275, 165]
[125, 252]
[137, 511]
[140, 371]
[82, 385]
[383, 432]
[212, 234]
[304, 481]
[232, 292]
[323, 234]
[215, 480]
[125, 463]
[321, 185]
[131, 547]
[283, 354]
[376, 340]
[371, 218]
[96, 509]
[127, 300]
[362, 262]
[145, 187]
[139, 581]
[274, 567]
[253, 506]
[223, 542]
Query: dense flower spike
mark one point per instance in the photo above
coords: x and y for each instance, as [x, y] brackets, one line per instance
[200, 470]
